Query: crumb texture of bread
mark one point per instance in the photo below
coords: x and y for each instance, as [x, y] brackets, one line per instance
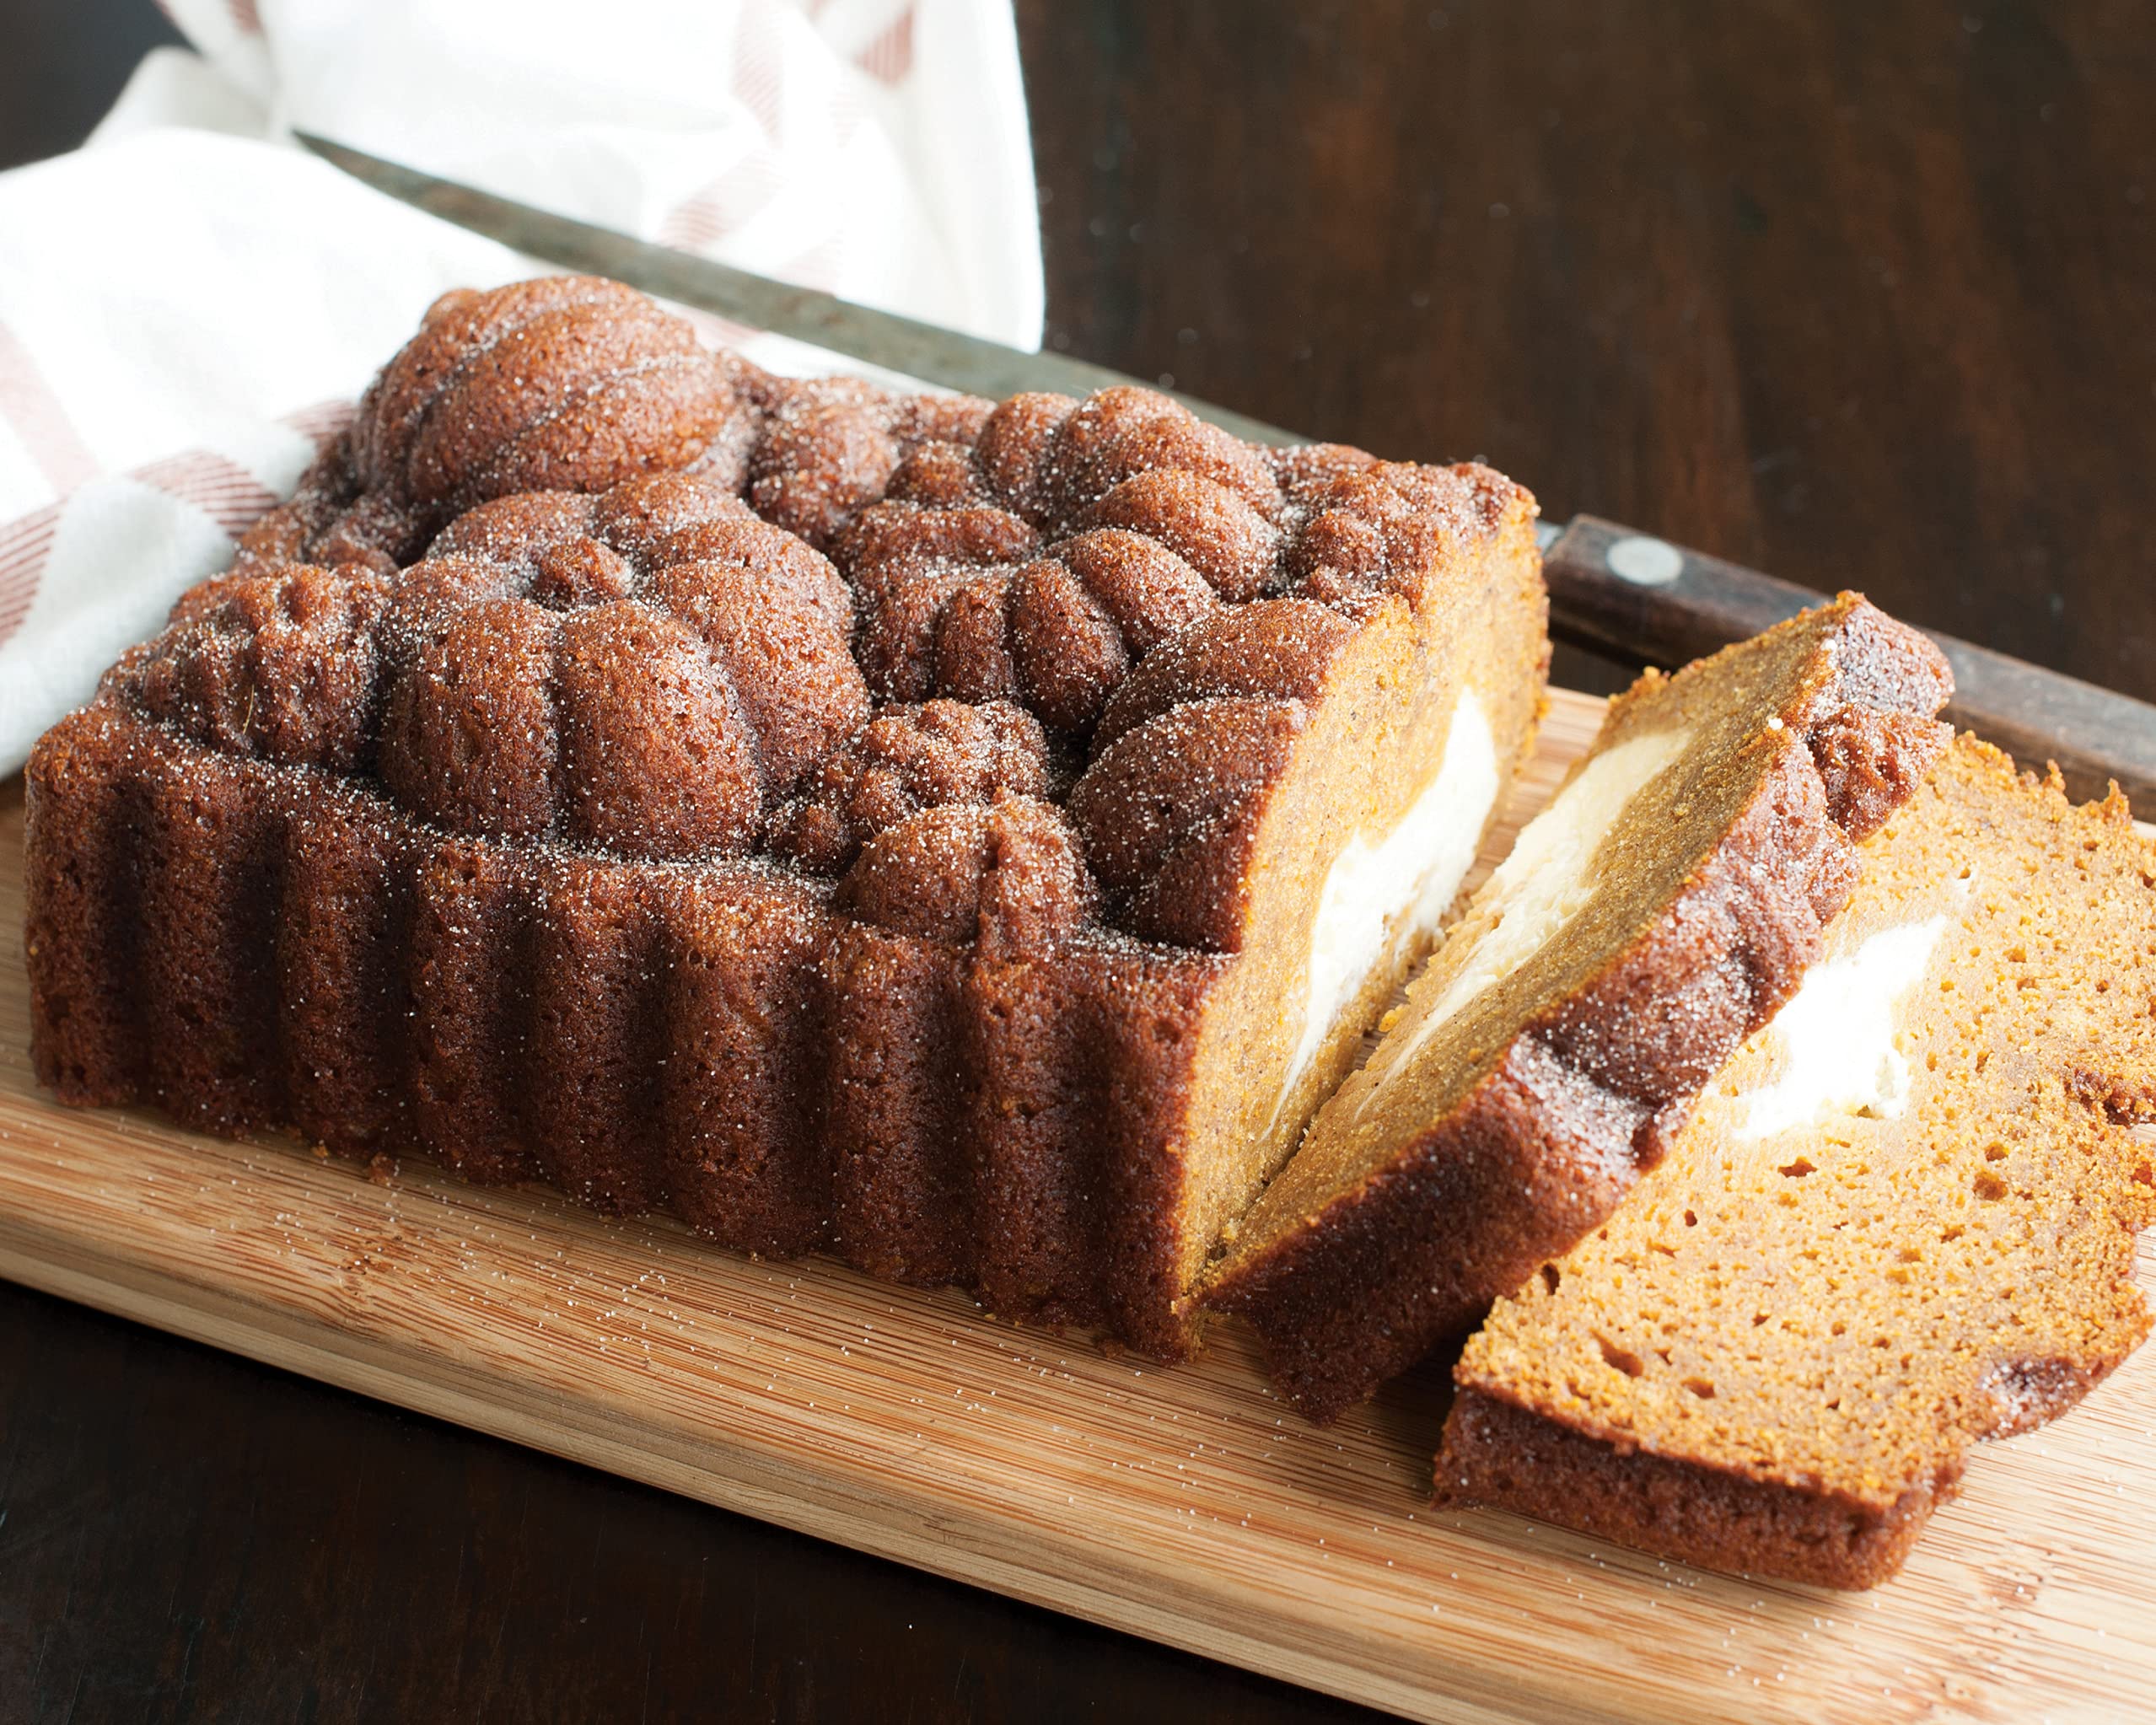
[890, 825]
[1774, 1357]
[1661, 909]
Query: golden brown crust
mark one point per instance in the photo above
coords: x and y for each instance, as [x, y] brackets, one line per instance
[1058, 632]
[907, 759]
[728, 1042]
[828, 447]
[566, 383]
[1367, 525]
[1351, 1270]
[647, 670]
[1170, 805]
[1509, 1459]
[1005, 877]
[1171, 811]
[284, 665]
[1775, 1358]
[660, 782]
[1279, 650]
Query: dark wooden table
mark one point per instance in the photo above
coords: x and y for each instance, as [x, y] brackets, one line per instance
[1863, 295]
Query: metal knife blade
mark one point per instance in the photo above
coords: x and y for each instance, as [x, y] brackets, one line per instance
[883, 338]
[1611, 589]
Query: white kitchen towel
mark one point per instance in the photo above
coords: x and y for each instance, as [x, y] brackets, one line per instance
[189, 303]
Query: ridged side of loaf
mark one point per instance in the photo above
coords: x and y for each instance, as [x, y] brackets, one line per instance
[247, 947]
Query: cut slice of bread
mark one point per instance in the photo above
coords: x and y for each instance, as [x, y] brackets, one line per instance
[1655, 914]
[1901, 1219]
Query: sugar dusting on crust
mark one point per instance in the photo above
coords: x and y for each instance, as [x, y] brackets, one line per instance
[589, 583]
[908, 758]
[822, 813]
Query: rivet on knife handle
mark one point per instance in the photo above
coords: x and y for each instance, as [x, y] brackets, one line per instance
[1634, 597]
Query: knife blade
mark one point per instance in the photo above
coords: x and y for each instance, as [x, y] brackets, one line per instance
[1626, 594]
[885, 338]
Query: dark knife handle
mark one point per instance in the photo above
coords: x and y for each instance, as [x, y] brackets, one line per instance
[1632, 596]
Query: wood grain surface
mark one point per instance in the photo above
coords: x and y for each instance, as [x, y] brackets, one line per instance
[1859, 295]
[1185, 1505]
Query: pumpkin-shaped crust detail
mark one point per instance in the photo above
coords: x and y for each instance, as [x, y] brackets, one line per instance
[906, 758]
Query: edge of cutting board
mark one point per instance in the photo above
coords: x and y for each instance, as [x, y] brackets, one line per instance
[1186, 1505]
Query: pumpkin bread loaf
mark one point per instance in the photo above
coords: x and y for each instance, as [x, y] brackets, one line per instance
[1655, 914]
[966, 839]
[1901, 1220]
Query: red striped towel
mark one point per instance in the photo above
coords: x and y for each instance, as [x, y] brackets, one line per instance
[185, 303]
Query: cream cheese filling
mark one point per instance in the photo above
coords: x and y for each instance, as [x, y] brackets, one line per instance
[1541, 886]
[1380, 892]
[1834, 1041]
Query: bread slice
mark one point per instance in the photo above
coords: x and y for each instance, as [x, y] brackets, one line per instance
[1901, 1219]
[1649, 920]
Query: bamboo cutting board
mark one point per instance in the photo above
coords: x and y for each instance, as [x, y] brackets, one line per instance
[1185, 1505]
